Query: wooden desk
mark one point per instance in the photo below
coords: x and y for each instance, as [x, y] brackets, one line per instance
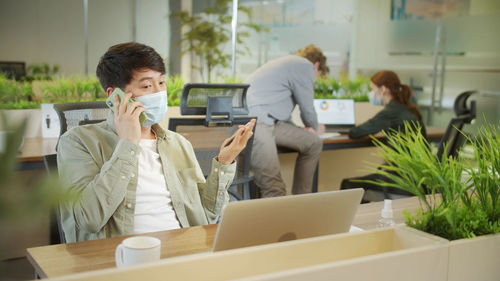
[434, 134]
[33, 150]
[65, 259]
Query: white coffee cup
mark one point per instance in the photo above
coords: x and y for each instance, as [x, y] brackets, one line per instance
[137, 250]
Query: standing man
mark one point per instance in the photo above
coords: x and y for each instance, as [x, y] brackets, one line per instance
[275, 89]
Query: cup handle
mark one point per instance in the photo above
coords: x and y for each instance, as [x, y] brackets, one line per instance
[119, 255]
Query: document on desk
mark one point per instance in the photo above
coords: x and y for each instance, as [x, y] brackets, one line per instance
[329, 135]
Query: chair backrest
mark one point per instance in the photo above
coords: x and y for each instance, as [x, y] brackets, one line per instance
[453, 138]
[80, 113]
[206, 142]
[50, 162]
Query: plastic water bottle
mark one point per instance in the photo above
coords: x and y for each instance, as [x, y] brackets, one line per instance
[386, 215]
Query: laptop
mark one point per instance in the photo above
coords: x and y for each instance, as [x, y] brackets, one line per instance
[336, 114]
[269, 220]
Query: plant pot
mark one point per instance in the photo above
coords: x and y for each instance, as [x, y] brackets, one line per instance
[33, 128]
[399, 253]
[475, 259]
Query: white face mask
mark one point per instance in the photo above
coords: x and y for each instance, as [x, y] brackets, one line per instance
[374, 99]
[156, 106]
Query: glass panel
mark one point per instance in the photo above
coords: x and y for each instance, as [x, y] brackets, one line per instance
[409, 37]
[474, 34]
[293, 24]
[197, 97]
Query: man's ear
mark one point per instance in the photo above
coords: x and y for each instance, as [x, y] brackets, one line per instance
[109, 90]
[316, 65]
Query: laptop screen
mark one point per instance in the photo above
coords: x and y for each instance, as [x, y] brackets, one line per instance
[335, 111]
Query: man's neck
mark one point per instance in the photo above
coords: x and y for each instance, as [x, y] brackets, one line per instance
[147, 133]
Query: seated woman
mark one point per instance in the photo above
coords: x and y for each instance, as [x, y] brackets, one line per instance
[387, 90]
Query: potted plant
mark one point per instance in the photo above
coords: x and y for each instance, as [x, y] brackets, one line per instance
[460, 199]
[17, 101]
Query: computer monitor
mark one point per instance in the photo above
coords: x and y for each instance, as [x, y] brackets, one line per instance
[13, 69]
[335, 112]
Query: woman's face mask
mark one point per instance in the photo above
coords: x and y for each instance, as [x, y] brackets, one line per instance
[374, 98]
[156, 106]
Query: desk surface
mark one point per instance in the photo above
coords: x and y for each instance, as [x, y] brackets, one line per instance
[64, 259]
[433, 134]
[33, 149]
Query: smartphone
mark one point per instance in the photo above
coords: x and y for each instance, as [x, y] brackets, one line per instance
[110, 102]
[247, 126]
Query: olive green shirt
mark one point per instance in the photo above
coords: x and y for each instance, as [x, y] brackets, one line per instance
[392, 117]
[101, 168]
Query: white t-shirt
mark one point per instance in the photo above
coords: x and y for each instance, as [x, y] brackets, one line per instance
[153, 208]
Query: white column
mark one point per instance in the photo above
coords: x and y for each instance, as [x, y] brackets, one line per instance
[186, 60]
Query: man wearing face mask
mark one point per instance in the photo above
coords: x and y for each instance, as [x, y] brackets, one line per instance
[135, 178]
[388, 91]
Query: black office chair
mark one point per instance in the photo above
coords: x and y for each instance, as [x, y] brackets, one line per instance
[56, 230]
[214, 100]
[453, 138]
[71, 115]
[80, 113]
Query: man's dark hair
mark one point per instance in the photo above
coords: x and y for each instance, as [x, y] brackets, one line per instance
[117, 65]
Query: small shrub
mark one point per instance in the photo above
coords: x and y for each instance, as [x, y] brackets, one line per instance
[458, 200]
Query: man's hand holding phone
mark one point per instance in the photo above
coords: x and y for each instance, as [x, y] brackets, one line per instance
[127, 115]
[233, 145]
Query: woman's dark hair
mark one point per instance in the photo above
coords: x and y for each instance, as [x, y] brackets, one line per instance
[400, 93]
[117, 65]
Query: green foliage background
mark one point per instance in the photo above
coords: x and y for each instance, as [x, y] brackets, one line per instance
[342, 88]
[208, 32]
[459, 199]
[20, 94]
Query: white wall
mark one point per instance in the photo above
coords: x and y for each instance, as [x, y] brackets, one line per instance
[42, 31]
[37, 31]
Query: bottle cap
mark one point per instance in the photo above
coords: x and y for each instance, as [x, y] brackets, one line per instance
[387, 210]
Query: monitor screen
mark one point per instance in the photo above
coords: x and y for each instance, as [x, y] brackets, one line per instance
[335, 111]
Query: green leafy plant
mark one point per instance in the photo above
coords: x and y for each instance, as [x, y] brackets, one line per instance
[72, 89]
[15, 94]
[332, 88]
[458, 200]
[208, 32]
[23, 198]
[229, 80]
[175, 84]
[41, 71]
